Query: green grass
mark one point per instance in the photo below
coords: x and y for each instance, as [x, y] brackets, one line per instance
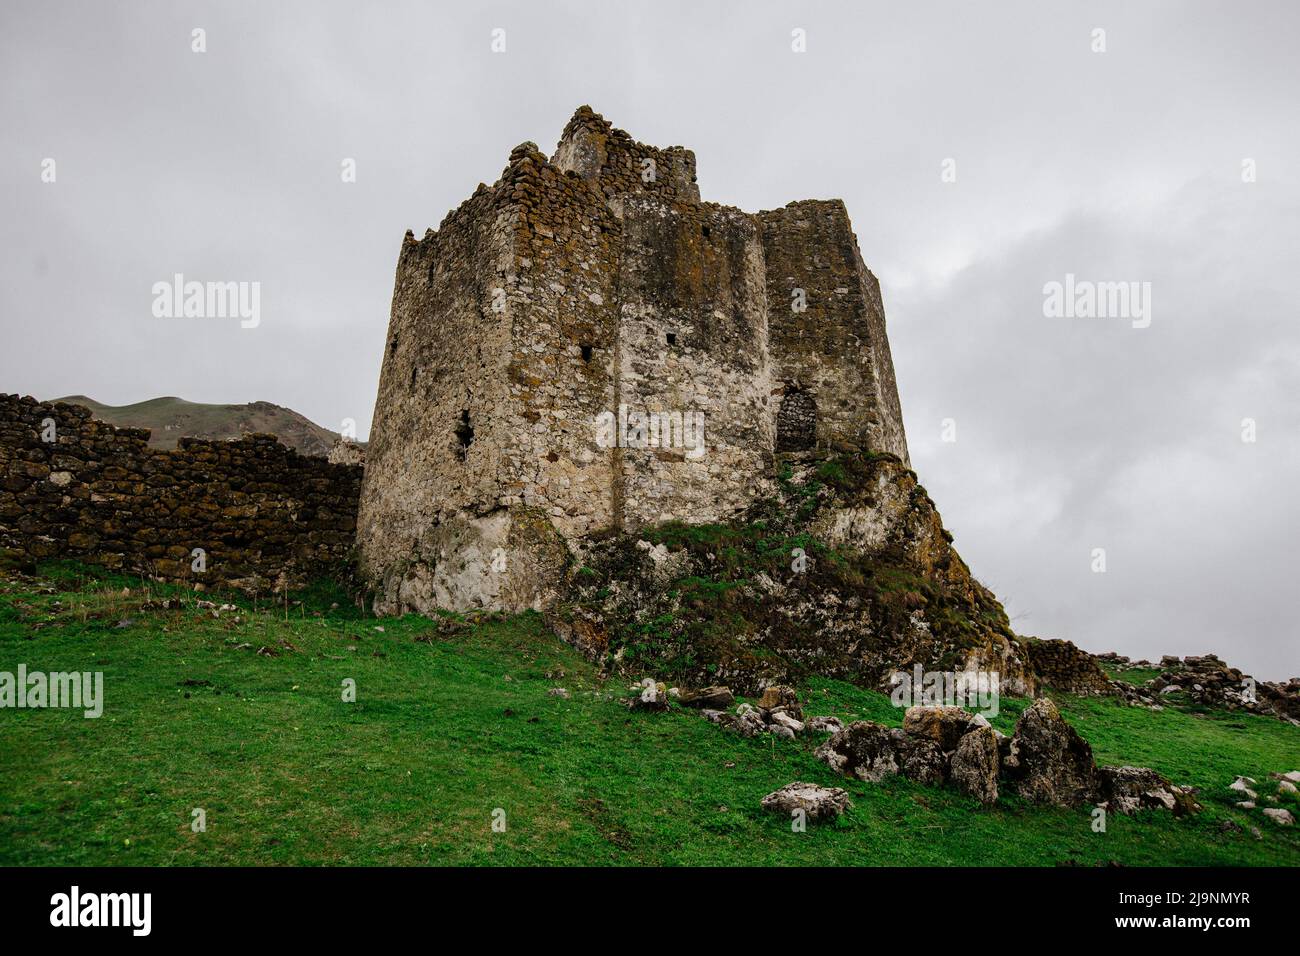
[450, 725]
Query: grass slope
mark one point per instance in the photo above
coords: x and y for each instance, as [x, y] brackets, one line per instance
[451, 726]
[169, 419]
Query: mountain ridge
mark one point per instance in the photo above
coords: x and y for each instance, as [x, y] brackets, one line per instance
[170, 418]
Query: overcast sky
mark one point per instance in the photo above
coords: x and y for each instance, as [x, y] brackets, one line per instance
[1071, 433]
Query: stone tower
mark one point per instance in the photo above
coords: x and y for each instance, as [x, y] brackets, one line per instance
[585, 346]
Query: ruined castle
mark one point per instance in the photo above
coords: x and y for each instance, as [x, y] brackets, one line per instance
[586, 346]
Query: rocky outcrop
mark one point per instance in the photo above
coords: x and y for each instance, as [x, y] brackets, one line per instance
[798, 585]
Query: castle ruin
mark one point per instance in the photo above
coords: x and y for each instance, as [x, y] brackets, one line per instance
[585, 347]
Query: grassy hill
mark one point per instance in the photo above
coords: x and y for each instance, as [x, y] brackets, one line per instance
[172, 418]
[241, 713]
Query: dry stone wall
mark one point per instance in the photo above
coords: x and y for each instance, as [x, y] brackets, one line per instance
[71, 486]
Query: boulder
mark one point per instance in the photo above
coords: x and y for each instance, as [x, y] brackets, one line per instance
[653, 697]
[944, 725]
[831, 725]
[974, 766]
[1282, 818]
[864, 750]
[817, 803]
[714, 698]
[1048, 762]
[779, 718]
[920, 759]
[1129, 789]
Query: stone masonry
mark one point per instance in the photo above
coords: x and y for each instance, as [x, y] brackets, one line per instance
[71, 486]
[585, 346]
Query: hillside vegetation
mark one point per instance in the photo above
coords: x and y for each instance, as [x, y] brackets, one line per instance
[240, 712]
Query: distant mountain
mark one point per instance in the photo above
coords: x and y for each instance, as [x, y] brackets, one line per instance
[171, 418]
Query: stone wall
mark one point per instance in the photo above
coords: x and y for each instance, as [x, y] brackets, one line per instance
[596, 283]
[71, 486]
[1063, 666]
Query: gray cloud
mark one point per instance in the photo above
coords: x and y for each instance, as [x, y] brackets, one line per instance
[1072, 434]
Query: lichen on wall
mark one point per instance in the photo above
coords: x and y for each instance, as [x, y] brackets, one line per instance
[586, 340]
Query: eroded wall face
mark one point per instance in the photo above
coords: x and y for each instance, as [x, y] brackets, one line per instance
[564, 344]
[586, 346]
[439, 447]
[826, 328]
[693, 386]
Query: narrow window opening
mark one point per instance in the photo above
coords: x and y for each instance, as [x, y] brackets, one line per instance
[705, 231]
[586, 352]
[415, 370]
[392, 346]
[464, 435]
[672, 338]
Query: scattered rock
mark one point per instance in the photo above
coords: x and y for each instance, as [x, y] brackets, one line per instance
[558, 692]
[1209, 682]
[1279, 816]
[714, 698]
[1129, 789]
[818, 803]
[782, 719]
[826, 724]
[1241, 785]
[779, 695]
[653, 697]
